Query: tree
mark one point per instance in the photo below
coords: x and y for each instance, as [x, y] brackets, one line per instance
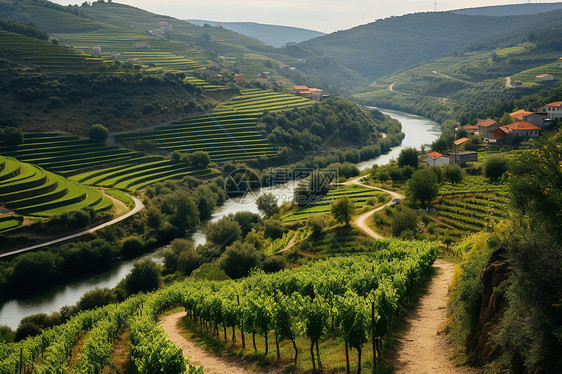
[96, 298]
[133, 246]
[12, 136]
[98, 133]
[454, 173]
[267, 204]
[223, 232]
[507, 119]
[495, 166]
[239, 259]
[343, 209]
[408, 157]
[144, 277]
[422, 187]
[405, 222]
[200, 159]
[273, 229]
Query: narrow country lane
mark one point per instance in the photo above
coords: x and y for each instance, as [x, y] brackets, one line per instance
[138, 207]
[361, 220]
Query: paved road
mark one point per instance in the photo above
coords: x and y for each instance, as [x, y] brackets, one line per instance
[138, 207]
[361, 221]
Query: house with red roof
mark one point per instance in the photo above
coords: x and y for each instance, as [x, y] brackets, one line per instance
[544, 78]
[436, 158]
[472, 128]
[518, 83]
[486, 126]
[460, 141]
[519, 129]
[554, 110]
[531, 117]
[239, 78]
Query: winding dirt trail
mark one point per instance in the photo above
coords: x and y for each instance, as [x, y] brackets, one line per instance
[423, 349]
[197, 356]
[361, 220]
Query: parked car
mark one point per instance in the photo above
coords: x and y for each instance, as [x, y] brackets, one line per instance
[394, 202]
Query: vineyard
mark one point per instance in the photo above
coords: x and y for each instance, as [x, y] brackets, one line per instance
[96, 163]
[43, 53]
[470, 206]
[257, 101]
[360, 196]
[346, 303]
[30, 190]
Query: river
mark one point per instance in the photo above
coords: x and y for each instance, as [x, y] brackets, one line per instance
[418, 130]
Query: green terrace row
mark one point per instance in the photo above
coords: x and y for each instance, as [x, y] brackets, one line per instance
[69, 155]
[30, 190]
[360, 196]
[135, 177]
[42, 53]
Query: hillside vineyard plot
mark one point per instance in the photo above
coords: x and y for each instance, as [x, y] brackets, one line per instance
[227, 134]
[354, 297]
[95, 163]
[30, 190]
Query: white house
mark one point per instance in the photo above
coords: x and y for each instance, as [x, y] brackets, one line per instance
[436, 158]
[554, 110]
[544, 78]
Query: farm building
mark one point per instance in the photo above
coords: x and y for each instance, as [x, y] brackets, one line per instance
[460, 142]
[518, 129]
[436, 158]
[531, 117]
[239, 78]
[165, 26]
[518, 83]
[473, 128]
[461, 158]
[554, 110]
[544, 78]
[486, 126]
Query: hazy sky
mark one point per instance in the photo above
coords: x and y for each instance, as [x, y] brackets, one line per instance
[321, 15]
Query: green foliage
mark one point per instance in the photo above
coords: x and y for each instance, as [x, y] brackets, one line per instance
[239, 259]
[200, 159]
[453, 173]
[144, 277]
[133, 246]
[422, 187]
[343, 209]
[28, 30]
[405, 223]
[272, 229]
[96, 298]
[267, 204]
[11, 136]
[98, 132]
[495, 167]
[408, 157]
[223, 232]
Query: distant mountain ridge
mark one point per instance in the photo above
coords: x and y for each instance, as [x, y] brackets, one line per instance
[510, 10]
[273, 35]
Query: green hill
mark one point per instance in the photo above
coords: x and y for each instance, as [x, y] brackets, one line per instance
[390, 45]
[510, 10]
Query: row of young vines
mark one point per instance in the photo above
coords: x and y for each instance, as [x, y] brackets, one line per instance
[355, 297]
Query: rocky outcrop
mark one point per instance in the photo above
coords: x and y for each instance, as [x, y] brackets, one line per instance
[491, 310]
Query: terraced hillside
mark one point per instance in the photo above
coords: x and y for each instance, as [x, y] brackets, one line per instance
[470, 206]
[227, 134]
[131, 43]
[29, 190]
[95, 163]
[22, 49]
[360, 196]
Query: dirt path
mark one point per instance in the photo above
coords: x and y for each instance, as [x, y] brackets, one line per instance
[197, 356]
[391, 89]
[423, 350]
[361, 221]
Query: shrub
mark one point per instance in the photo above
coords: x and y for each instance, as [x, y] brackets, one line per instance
[12, 136]
[144, 277]
[239, 259]
[98, 133]
[133, 246]
[495, 166]
[96, 298]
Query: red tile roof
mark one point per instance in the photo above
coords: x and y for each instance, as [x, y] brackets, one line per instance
[542, 75]
[471, 127]
[486, 122]
[460, 141]
[434, 155]
[556, 104]
[300, 88]
[519, 126]
[521, 114]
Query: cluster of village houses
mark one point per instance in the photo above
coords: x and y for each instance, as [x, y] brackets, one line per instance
[526, 125]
